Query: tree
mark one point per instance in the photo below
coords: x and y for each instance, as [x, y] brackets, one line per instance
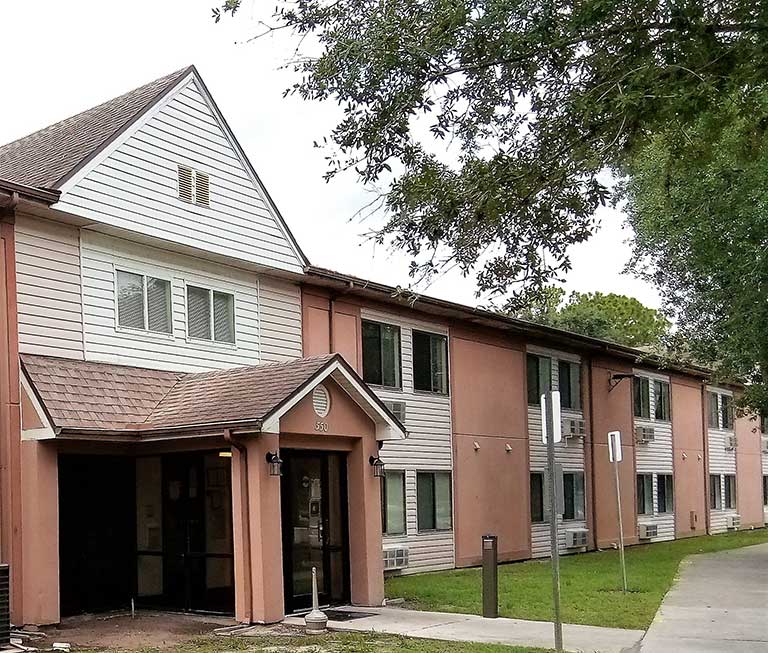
[535, 99]
[613, 317]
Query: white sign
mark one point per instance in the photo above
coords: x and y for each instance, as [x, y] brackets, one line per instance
[556, 421]
[614, 446]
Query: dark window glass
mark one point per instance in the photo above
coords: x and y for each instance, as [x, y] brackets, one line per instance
[539, 377]
[393, 503]
[727, 411]
[764, 424]
[537, 497]
[642, 397]
[730, 491]
[661, 398]
[714, 411]
[569, 384]
[765, 491]
[665, 494]
[645, 494]
[433, 501]
[573, 494]
[381, 354]
[430, 362]
[715, 492]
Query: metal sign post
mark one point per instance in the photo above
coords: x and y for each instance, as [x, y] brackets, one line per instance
[615, 456]
[551, 432]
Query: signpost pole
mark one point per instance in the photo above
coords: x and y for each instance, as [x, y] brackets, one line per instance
[551, 434]
[615, 454]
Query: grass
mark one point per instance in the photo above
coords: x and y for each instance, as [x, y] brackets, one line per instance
[590, 583]
[330, 643]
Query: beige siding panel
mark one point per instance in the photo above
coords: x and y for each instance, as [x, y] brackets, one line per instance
[135, 188]
[280, 311]
[427, 448]
[48, 285]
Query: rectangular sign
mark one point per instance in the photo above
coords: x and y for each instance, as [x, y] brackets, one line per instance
[556, 419]
[614, 446]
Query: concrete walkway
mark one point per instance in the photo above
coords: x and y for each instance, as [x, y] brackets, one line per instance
[720, 604]
[471, 628]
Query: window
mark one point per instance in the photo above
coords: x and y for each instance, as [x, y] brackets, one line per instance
[210, 314]
[730, 491]
[573, 493]
[433, 501]
[393, 503]
[430, 362]
[569, 384]
[764, 424]
[143, 302]
[381, 354]
[645, 494]
[194, 186]
[726, 411]
[715, 492]
[539, 378]
[537, 497]
[714, 410]
[662, 400]
[642, 397]
[665, 499]
[765, 491]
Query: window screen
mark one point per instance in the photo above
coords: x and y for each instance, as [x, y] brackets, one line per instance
[393, 501]
[573, 493]
[662, 400]
[223, 317]
[539, 377]
[381, 354]
[433, 501]
[642, 397]
[130, 300]
[198, 313]
[430, 362]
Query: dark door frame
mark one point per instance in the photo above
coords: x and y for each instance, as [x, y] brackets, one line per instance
[291, 605]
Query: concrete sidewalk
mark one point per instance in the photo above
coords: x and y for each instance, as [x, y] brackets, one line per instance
[720, 603]
[471, 628]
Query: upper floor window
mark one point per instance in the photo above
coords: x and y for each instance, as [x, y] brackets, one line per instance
[726, 411]
[720, 411]
[143, 302]
[194, 186]
[539, 377]
[381, 354]
[641, 390]
[430, 362]
[210, 314]
[569, 384]
[661, 398]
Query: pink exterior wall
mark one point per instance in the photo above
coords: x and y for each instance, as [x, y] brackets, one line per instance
[749, 471]
[323, 334]
[491, 484]
[689, 457]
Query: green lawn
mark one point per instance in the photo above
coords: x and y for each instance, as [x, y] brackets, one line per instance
[591, 584]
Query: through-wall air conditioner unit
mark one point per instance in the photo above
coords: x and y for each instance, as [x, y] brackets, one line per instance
[764, 447]
[647, 531]
[733, 522]
[573, 428]
[395, 558]
[397, 408]
[730, 442]
[576, 538]
[644, 434]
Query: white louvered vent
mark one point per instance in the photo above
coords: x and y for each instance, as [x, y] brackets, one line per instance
[202, 190]
[395, 558]
[194, 186]
[397, 408]
[644, 434]
[321, 401]
[186, 183]
[647, 531]
[576, 538]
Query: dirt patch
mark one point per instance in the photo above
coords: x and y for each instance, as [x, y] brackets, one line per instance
[121, 632]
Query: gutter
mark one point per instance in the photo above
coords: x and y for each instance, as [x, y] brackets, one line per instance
[28, 192]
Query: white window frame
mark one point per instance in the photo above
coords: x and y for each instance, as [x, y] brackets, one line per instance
[143, 273]
[211, 289]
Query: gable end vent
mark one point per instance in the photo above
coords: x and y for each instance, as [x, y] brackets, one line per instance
[194, 186]
[202, 196]
[186, 191]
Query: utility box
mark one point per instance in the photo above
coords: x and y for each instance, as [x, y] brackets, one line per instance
[490, 576]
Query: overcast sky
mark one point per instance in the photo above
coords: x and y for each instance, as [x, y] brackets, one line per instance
[60, 57]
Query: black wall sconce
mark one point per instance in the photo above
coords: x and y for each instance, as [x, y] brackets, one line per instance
[378, 466]
[275, 464]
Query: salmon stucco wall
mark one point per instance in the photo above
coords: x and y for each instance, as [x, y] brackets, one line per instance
[612, 411]
[491, 482]
[323, 334]
[749, 471]
[689, 455]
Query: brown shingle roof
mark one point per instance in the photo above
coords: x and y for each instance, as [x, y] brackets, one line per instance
[84, 395]
[46, 158]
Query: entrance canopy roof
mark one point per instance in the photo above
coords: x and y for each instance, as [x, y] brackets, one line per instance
[74, 398]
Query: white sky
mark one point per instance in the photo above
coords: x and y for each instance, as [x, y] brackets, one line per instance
[61, 57]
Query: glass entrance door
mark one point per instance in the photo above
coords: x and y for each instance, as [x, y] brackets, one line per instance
[314, 500]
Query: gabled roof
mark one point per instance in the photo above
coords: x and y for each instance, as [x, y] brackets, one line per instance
[82, 396]
[50, 156]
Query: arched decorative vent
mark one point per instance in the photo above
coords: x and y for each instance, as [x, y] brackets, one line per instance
[321, 401]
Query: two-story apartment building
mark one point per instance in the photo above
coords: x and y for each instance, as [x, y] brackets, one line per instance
[193, 417]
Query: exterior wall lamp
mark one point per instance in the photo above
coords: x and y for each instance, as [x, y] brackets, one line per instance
[378, 466]
[275, 464]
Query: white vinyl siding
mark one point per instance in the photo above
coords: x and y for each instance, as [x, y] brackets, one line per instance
[255, 319]
[655, 457]
[427, 448]
[569, 453]
[136, 188]
[721, 462]
[48, 285]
